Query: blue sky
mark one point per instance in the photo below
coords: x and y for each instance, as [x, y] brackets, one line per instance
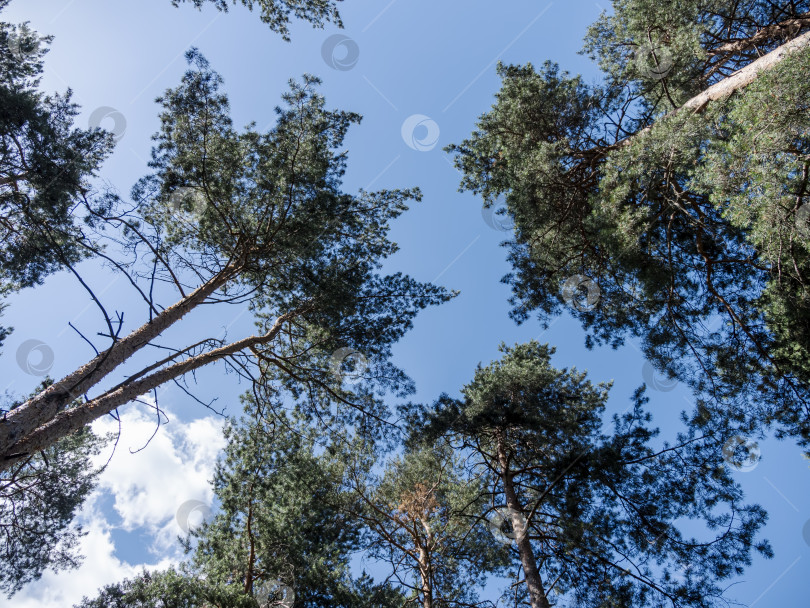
[431, 60]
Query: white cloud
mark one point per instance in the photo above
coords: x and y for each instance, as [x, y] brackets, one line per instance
[147, 488]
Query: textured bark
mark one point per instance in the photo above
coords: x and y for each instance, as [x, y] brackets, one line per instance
[537, 595]
[44, 407]
[739, 80]
[424, 572]
[71, 420]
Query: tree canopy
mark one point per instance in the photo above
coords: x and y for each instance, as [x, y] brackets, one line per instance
[667, 202]
[246, 218]
[682, 214]
[277, 13]
[595, 519]
[227, 218]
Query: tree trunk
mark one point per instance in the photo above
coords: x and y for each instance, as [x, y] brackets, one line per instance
[42, 408]
[424, 573]
[71, 420]
[251, 540]
[738, 80]
[537, 594]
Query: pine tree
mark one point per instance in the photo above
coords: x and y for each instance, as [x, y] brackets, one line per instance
[595, 520]
[421, 519]
[283, 534]
[45, 166]
[251, 218]
[674, 193]
[39, 499]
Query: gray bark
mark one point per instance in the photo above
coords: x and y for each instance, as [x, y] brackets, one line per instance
[537, 594]
[63, 422]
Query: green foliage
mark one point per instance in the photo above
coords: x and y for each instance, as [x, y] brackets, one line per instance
[285, 518]
[167, 589]
[270, 207]
[604, 511]
[284, 522]
[276, 13]
[421, 517]
[45, 164]
[688, 227]
[39, 498]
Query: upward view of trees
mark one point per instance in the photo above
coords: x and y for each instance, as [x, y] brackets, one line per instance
[675, 194]
[668, 204]
[595, 518]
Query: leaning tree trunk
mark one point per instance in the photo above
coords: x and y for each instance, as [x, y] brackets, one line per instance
[44, 407]
[738, 80]
[537, 594]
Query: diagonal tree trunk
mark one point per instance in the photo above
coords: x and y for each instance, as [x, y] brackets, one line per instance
[45, 406]
[721, 90]
[71, 420]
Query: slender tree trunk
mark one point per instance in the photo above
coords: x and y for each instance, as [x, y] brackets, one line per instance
[71, 420]
[42, 408]
[424, 573]
[537, 595]
[252, 551]
[425, 565]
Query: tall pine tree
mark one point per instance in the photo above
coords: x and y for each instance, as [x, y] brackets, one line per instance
[595, 519]
[670, 202]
